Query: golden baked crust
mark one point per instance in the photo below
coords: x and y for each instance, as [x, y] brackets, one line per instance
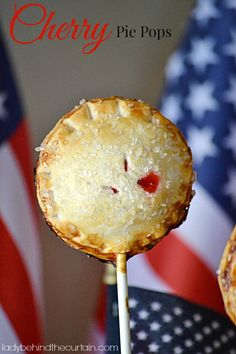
[227, 276]
[114, 176]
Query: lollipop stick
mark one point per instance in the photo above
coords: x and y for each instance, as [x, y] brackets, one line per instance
[122, 289]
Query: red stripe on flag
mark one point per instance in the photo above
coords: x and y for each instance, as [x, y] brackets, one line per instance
[16, 295]
[100, 315]
[185, 272]
[21, 146]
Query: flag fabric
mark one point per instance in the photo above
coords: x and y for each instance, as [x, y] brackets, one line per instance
[200, 97]
[166, 324]
[20, 269]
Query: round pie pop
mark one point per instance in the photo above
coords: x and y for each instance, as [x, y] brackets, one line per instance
[114, 176]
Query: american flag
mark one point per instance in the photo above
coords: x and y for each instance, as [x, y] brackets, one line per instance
[167, 324]
[20, 269]
[200, 97]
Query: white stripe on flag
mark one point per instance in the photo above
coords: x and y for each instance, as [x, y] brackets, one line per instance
[16, 212]
[7, 333]
[206, 229]
[140, 274]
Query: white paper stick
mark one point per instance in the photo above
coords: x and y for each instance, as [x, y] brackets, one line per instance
[123, 304]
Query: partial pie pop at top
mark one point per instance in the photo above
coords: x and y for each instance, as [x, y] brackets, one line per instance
[114, 176]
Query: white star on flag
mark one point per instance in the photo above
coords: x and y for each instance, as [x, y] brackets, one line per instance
[230, 95]
[143, 314]
[132, 303]
[175, 67]
[166, 338]
[197, 317]
[132, 324]
[154, 326]
[171, 108]
[178, 331]
[188, 323]
[224, 338]
[230, 332]
[215, 325]
[202, 53]
[178, 350]
[156, 306]
[230, 48]
[167, 318]
[201, 99]
[216, 344]
[231, 4]
[177, 311]
[205, 10]
[230, 140]
[153, 347]
[3, 111]
[230, 186]
[200, 141]
[142, 335]
[198, 336]
[188, 343]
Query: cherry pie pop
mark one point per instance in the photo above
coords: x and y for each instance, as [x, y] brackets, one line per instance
[114, 176]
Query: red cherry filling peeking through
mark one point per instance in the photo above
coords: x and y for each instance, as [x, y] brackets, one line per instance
[149, 182]
[114, 190]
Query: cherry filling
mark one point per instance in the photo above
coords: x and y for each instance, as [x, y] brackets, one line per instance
[114, 190]
[149, 182]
